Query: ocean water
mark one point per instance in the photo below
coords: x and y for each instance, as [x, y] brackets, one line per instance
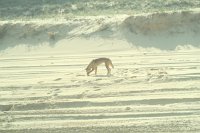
[103, 25]
[10, 9]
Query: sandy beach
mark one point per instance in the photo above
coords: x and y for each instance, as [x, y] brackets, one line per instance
[154, 86]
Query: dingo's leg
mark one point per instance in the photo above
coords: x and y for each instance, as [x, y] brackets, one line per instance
[108, 69]
[95, 70]
[90, 71]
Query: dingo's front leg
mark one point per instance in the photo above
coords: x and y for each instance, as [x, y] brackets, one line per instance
[88, 73]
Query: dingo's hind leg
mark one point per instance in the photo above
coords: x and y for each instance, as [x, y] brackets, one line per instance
[108, 69]
[95, 70]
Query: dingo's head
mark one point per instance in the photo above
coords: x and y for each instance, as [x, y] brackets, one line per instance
[89, 67]
[87, 70]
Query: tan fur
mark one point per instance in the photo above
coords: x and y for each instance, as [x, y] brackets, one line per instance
[96, 62]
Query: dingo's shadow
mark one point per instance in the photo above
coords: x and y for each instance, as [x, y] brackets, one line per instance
[102, 75]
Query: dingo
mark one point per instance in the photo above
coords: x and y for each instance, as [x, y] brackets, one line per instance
[94, 63]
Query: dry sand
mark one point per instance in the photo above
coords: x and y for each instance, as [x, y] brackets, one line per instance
[44, 88]
[147, 92]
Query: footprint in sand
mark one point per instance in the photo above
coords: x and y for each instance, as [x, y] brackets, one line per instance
[82, 95]
[156, 74]
[58, 79]
[133, 77]
[97, 89]
[40, 82]
[128, 108]
[57, 90]
[86, 90]
[80, 75]
[54, 92]
[74, 80]
[28, 87]
[118, 80]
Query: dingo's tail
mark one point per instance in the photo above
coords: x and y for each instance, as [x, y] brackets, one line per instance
[111, 64]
